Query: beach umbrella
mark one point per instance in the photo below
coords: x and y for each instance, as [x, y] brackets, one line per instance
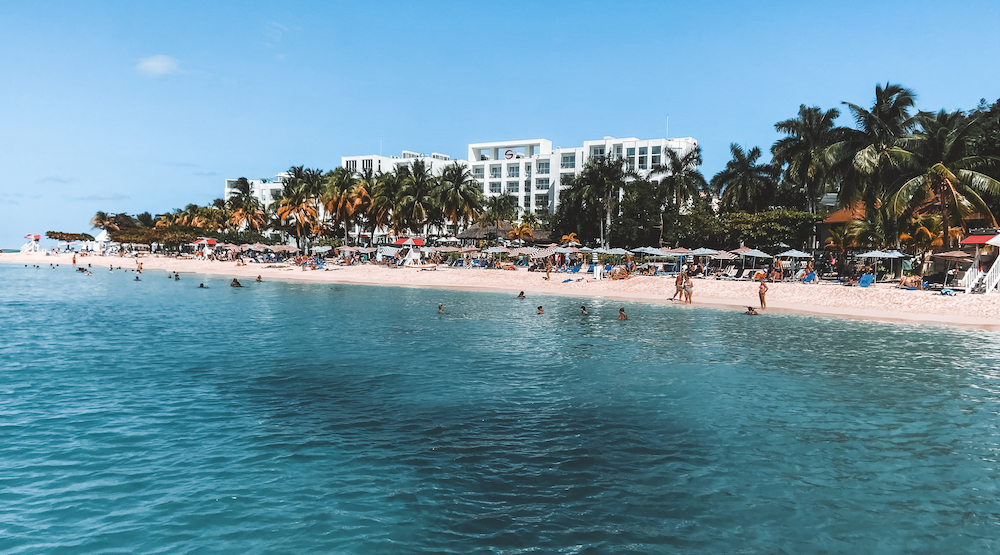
[723, 255]
[447, 239]
[495, 250]
[704, 252]
[754, 253]
[325, 248]
[470, 249]
[793, 253]
[586, 249]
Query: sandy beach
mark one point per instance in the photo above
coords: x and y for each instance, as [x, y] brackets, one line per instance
[879, 302]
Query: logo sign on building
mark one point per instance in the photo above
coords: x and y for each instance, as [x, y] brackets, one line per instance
[508, 154]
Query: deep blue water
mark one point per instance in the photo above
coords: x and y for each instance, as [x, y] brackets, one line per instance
[156, 417]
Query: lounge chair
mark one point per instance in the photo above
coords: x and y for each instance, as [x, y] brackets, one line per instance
[810, 277]
[866, 280]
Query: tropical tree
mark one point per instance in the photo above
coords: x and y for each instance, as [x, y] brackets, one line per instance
[296, 211]
[340, 198]
[802, 152]
[924, 234]
[417, 205]
[103, 220]
[569, 238]
[682, 180]
[868, 160]
[947, 179]
[520, 231]
[599, 185]
[461, 198]
[497, 210]
[744, 184]
[384, 191]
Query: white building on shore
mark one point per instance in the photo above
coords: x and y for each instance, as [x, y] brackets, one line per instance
[531, 170]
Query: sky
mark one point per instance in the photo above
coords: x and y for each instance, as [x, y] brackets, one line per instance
[150, 106]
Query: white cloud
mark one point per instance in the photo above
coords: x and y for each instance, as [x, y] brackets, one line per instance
[155, 66]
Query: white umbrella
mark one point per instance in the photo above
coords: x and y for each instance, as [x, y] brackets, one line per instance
[704, 252]
[495, 250]
[325, 248]
[754, 253]
[619, 251]
[793, 254]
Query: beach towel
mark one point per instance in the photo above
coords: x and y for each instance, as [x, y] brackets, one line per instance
[949, 292]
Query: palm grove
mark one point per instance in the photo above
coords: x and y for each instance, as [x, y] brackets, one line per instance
[921, 180]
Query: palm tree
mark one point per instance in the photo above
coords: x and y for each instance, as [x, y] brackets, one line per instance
[947, 180]
[521, 231]
[383, 192]
[803, 151]
[297, 210]
[339, 199]
[417, 206]
[600, 184]
[868, 158]
[744, 184]
[461, 196]
[569, 238]
[682, 180]
[104, 221]
[924, 234]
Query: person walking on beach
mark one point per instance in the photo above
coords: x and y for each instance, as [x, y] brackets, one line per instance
[679, 285]
[762, 292]
[621, 314]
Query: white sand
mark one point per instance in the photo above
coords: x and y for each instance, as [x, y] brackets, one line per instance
[879, 302]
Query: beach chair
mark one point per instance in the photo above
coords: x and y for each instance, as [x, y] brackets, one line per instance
[810, 277]
[866, 280]
[574, 270]
[590, 269]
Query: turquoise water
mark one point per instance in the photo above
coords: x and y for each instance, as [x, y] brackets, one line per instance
[156, 417]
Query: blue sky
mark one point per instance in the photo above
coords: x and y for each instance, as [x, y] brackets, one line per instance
[135, 106]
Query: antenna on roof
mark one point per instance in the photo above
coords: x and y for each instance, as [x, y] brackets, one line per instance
[380, 146]
[667, 136]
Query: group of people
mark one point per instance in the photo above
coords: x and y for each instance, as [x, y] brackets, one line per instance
[683, 287]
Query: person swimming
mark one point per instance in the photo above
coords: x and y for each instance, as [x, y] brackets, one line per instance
[583, 310]
[621, 314]
[259, 279]
[440, 309]
[540, 310]
[201, 286]
[235, 283]
[520, 295]
[137, 278]
[751, 311]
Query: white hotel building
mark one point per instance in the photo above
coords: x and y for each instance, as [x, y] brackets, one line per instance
[531, 170]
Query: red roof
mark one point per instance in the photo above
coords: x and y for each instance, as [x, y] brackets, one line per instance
[854, 212]
[416, 241]
[976, 239]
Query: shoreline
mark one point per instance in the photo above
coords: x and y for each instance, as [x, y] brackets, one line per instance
[880, 303]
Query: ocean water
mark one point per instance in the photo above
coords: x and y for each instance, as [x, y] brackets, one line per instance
[157, 417]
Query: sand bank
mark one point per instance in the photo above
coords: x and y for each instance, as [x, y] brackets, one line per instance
[879, 302]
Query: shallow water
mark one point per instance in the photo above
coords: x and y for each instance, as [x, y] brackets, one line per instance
[157, 417]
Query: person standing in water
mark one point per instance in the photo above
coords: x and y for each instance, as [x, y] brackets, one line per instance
[540, 310]
[621, 314]
[762, 291]
[440, 309]
[583, 310]
[520, 295]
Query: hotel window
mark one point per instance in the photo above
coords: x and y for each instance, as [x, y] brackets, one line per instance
[543, 168]
[494, 186]
[512, 187]
[656, 156]
[542, 184]
[618, 151]
[352, 165]
[630, 162]
[513, 171]
[366, 164]
[477, 172]
[527, 170]
[527, 185]
[642, 162]
[494, 172]
[527, 203]
[568, 161]
[542, 200]
[630, 152]
[598, 152]
[656, 150]
[642, 151]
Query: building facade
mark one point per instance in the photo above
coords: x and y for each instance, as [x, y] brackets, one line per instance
[529, 170]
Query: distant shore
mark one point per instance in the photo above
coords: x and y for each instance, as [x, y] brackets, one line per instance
[879, 302]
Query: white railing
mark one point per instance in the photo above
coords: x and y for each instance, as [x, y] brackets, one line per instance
[992, 278]
[971, 278]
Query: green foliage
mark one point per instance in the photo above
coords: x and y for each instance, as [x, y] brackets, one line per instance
[768, 228]
[696, 226]
[68, 237]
